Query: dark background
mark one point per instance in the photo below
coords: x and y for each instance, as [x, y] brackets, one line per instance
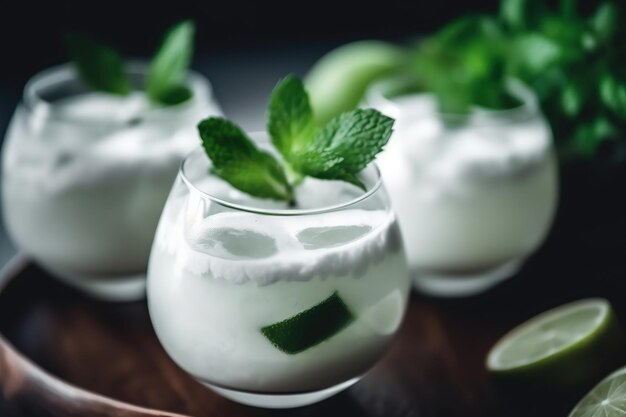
[32, 33]
[242, 46]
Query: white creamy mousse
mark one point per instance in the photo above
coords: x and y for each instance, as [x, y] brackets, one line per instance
[85, 178]
[216, 278]
[468, 197]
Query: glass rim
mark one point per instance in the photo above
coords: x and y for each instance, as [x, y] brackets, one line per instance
[32, 98]
[529, 105]
[275, 212]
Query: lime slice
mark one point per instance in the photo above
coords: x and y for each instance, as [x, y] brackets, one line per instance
[310, 327]
[562, 348]
[607, 399]
[337, 82]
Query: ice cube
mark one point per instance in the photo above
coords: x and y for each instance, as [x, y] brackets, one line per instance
[314, 193]
[237, 243]
[328, 237]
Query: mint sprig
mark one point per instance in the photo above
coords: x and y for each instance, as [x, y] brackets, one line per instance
[238, 161]
[574, 60]
[101, 67]
[345, 146]
[340, 150]
[169, 66]
[290, 120]
[571, 55]
[464, 64]
[98, 65]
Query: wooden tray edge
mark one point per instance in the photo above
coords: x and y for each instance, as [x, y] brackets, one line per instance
[25, 386]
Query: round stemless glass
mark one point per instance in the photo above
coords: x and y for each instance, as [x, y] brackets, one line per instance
[274, 306]
[475, 194]
[82, 193]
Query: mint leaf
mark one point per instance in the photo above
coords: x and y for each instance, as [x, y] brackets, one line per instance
[175, 95]
[310, 327]
[613, 94]
[605, 20]
[290, 120]
[462, 62]
[512, 12]
[169, 66]
[240, 163]
[99, 66]
[344, 146]
[339, 151]
[572, 100]
[591, 133]
[533, 54]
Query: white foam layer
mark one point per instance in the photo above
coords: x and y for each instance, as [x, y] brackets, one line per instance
[483, 149]
[97, 138]
[100, 107]
[243, 247]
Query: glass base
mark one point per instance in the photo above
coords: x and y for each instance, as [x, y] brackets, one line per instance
[115, 288]
[463, 285]
[280, 400]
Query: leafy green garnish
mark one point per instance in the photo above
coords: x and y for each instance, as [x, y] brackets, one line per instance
[464, 64]
[574, 64]
[338, 151]
[310, 327]
[290, 120]
[98, 65]
[341, 149]
[604, 21]
[169, 66]
[102, 68]
[572, 60]
[238, 161]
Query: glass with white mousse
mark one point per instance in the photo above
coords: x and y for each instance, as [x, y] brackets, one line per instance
[475, 194]
[86, 174]
[275, 303]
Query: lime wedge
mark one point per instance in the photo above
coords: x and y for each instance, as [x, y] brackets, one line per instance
[310, 327]
[562, 348]
[607, 399]
[337, 82]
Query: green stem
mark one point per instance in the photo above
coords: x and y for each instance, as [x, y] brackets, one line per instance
[294, 177]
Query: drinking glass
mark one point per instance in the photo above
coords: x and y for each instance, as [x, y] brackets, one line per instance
[475, 194]
[271, 305]
[83, 189]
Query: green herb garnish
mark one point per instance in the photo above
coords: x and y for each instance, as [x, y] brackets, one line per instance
[464, 65]
[102, 68]
[337, 151]
[238, 161]
[99, 66]
[572, 60]
[169, 66]
[310, 327]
